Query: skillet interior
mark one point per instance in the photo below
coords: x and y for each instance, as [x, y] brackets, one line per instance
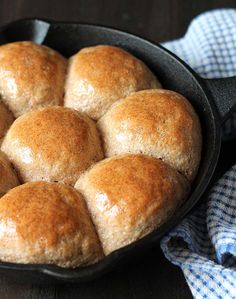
[68, 38]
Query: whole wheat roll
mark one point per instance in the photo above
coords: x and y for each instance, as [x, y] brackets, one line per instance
[55, 144]
[6, 119]
[8, 177]
[31, 76]
[47, 223]
[160, 123]
[99, 76]
[129, 196]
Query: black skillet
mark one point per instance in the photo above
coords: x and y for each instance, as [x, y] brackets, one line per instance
[213, 100]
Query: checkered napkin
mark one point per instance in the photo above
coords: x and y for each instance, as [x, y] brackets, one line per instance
[204, 243]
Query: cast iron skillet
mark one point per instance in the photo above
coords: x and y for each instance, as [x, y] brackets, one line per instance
[213, 100]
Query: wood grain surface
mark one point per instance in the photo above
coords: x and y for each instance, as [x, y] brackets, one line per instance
[153, 276]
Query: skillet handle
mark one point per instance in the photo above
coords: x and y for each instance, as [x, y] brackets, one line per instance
[223, 92]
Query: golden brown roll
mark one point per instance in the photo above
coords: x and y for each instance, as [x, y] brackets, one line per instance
[54, 144]
[6, 119]
[129, 196]
[160, 123]
[31, 76]
[8, 178]
[98, 76]
[47, 223]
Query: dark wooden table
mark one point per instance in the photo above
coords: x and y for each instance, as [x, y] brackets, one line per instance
[153, 276]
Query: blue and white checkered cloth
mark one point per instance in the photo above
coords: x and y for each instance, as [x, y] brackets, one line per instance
[204, 243]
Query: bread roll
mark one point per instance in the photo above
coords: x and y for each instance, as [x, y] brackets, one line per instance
[6, 119]
[8, 178]
[98, 76]
[160, 123]
[31, 76]
[47, 223]
[54, 144]
[129, 196]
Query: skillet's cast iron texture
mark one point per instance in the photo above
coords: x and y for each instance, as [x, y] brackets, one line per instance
[213, 100]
